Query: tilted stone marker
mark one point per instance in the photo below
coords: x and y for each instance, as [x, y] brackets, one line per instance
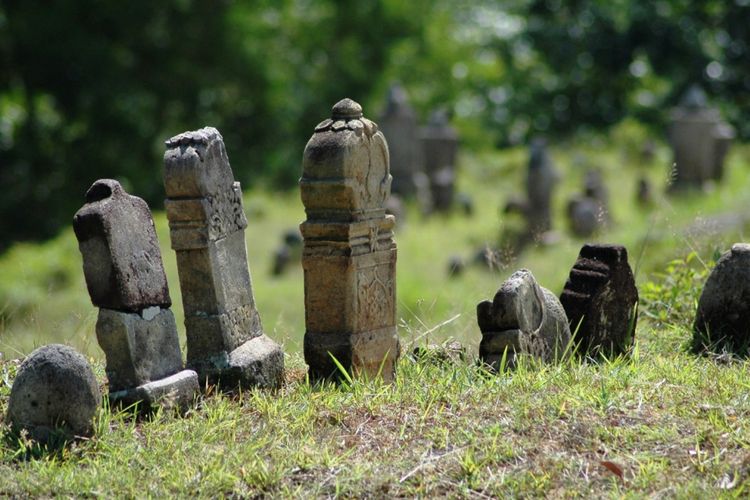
[700, 141]
[225, 339]
[723, 316]
[522, 319]
[54, 391]
[440, 147]
[600, 299]
[349, 256]
[125, 278]
[399, 126]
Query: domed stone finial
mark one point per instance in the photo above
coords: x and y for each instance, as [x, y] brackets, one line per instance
[346, 109]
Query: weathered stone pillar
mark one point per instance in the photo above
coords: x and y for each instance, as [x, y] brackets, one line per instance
[349, 256]
[125, 278]
[226, 344]
[440, 147]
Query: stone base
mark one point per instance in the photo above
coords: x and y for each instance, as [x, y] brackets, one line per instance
[259, 362]
[176, 391]
[368, 354]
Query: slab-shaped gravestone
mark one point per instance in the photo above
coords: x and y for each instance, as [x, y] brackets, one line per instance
[600, 299]
[54, 391]
[125, 277]
[523, 319]
[349, 256]
[541, 179]
[440, 147]
[226, 344]
[723, 315]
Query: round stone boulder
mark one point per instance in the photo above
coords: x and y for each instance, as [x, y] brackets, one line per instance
[55, 390]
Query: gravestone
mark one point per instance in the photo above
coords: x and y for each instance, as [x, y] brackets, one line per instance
[54, 391]
[349, 256]
[225, 339]
[589, 211]
[600, 299]
[125, 278]
[439, 149]
[644, 193]
[700, 141]
[523, 319]
[723, 315]
[399, 126]
[542, 177]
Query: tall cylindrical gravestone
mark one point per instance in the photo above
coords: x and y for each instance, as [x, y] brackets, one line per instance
[349, 255]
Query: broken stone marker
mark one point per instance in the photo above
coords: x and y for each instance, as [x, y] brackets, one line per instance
[349, 256]
[225, 339]
[600, 300]
[723, 316]
[440, 147]
[399, 126]
[700, 141]
[125, 278]
[523, 319]
[54, 391]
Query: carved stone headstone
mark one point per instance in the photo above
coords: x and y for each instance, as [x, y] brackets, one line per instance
[399, 126]
[540, 182]
[125, 278]
[723, 316]
[600, 301]
[54, 391]
[699, 139]
[349, 256]
[440, 147]
[522, 319]
[225, 339]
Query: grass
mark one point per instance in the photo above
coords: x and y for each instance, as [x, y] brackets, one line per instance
[661, 422]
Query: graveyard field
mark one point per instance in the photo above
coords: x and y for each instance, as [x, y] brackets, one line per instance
[661, 421]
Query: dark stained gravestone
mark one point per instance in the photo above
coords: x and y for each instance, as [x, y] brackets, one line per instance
[723, 315]
[541, 179]
[349, 256]
[600, 299]
[523, 319]
[440, 148]
[226, 344]
[125, 277]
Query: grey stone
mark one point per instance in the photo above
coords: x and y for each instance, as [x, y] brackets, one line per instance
[121, 257]
[525, 319]
[259, 362]
[723, 315]
[138, 350]
[207, 223]
[584, 216]
[440, 148]
[177, 391]
[55, 389]
[600, 299]
[349, 256]
[541, 180]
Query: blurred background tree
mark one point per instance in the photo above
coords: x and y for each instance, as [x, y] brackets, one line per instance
[91, 89]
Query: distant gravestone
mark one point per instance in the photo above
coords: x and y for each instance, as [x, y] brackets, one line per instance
[225, 339]
[723, 315]
[349, 256]
[600, 299]
[542, 177]
[440, 147]
[125, 278]
[522, 319]
[399, 126]
[700, 141]
[54, 391]
[589, 211]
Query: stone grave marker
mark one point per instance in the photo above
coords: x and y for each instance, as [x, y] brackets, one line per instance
[541, 179]
[600, 299]
[225, 339]
[440, 147]
[54, 391]
[700, 141]
[723, 315]
[523, 319]
[125, 278]
[349, 256]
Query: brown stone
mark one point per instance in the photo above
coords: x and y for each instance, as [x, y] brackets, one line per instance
[207, 228]
[600, 300]
[349, 256]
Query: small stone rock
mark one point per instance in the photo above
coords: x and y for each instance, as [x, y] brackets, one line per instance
[456, 266]
[55, 390]
[450, 351]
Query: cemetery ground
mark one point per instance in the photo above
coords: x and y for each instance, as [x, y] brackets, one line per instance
[661, 421]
